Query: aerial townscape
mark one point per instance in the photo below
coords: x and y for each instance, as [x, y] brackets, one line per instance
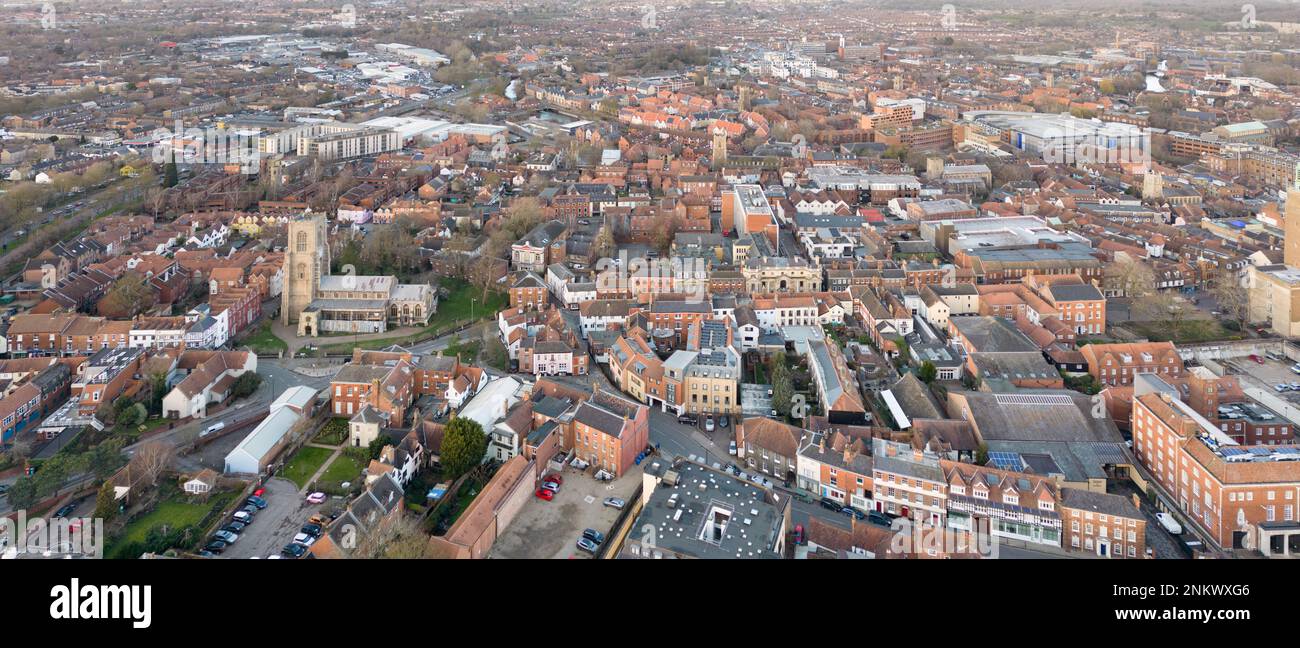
[722, 279]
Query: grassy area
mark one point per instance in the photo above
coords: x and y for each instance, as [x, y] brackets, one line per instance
[342, 469]
[176, 512]
[1188, 331]
[304, 464]
[265, 342]
[453, 310]
[335, 432]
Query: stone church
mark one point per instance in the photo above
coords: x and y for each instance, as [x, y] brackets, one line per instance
[318, 301]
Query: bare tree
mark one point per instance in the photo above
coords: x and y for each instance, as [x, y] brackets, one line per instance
[150, 460]
[1231, 295]
[401, 539]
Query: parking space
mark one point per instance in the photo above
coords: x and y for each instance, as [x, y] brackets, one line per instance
[551, 529]
[277, 524]
[1268, 375]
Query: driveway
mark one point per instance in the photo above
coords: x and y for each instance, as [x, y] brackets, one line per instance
[551, 529]
[277, 524]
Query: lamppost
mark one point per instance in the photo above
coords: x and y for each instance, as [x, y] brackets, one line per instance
[472, 301]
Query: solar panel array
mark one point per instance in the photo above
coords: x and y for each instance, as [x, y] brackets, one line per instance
[1007, 460]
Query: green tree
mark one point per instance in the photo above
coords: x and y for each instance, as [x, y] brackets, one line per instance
[105, 502]
[170, 175]
[376, 446]
[245, 385]
[463, 446]
[782, 385]
[928, 372]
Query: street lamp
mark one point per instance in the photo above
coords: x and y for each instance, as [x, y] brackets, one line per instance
[472, 301]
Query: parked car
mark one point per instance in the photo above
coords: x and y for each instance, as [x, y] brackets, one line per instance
[688, 419]
[213, 428]
[215, 547]
[731, 448]
[242, 517]
[555, 477]
[1256, 359]
[256, 501]
[4, 488]
[876, 517]
[318, 520]
[1295, 368]
[259, 492]
[235, 527]
[304, 539]
[588, 546]
[724, 422]
[65, 510]
[798, 535]
[316, 498]
[849, 510]
[1169, 523]
[313, 530]
[831, 505]
[250, 509]
[1281, 388]
[293, 550]
[226, 536]
[545, 493]
[615, 502]
[708, 423]
[594, 536]
[551, 486]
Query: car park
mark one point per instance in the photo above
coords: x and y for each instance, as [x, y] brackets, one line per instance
[615, 502]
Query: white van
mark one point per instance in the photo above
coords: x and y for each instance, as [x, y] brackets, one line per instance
[213, 428]
[1169, 523]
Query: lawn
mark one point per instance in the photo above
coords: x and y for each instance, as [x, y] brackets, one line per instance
[1189, 331]
[304, 464]
[343, 469]
[265, 342]
[175, 513]
[453, 310]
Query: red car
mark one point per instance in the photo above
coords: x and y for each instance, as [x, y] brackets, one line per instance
[545, 493]
[798, 534]
[1257, 359]
[259, 492]
[554, 478]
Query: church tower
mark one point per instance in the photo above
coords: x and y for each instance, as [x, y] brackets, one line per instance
[1153, 185]
[719, 147]
[306, 260]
